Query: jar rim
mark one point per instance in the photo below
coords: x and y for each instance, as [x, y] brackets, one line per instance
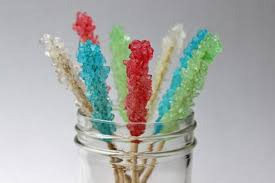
[86, 126]
[89, 137]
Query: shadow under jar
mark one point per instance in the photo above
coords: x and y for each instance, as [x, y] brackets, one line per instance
[122, 158]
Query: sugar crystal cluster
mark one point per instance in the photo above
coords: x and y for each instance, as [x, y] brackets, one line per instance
[94, 74]
[119, 43]
[85, 27]
[66, 70]
[139, 85]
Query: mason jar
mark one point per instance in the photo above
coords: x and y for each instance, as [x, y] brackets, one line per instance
[122, 158]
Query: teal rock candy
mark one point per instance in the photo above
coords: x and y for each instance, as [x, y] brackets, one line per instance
[94, 74]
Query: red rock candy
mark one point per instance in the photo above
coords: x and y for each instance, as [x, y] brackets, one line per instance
[85, 27]
[139, 85]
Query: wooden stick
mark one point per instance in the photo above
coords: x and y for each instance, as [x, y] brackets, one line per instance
[145, 160]
[111, 146]
[120, 174]
[159, 81]
[152, 165]
[134, 171]
[117, 178]
[127, 178]
[119, 170]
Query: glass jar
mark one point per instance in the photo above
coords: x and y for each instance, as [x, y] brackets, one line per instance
[121, 158]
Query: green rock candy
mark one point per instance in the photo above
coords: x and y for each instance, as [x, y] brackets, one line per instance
[119, 43]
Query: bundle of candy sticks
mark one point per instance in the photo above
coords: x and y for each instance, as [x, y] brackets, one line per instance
[138, 94]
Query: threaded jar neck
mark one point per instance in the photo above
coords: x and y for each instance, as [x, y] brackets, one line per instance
[181, 140]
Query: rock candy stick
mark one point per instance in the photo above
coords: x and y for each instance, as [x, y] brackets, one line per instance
[119, 43]
[171, 45]
[94, 72]
[139, 85]
[139, 92]
[66, 71]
